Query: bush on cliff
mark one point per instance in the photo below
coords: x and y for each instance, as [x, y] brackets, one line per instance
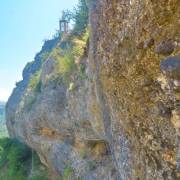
[79, 16]
[34, 82]
[16, 161]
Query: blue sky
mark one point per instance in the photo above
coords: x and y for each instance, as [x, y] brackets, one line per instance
[24, 24]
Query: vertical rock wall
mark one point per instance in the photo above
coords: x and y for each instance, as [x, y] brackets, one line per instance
[122, 120]
[128, 42]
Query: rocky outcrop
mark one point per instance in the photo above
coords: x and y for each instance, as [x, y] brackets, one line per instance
[131, 41]
[122, 120]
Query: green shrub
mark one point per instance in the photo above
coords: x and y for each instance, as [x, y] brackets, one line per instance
[34, 82]
[16, 161]
[80, 16]
[67, 173]
[14, 155]
[66, 59]
[3, 129]
[66, 63]
[80, 44]
[72, 86]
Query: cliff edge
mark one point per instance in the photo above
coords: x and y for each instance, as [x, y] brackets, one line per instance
[106, 106]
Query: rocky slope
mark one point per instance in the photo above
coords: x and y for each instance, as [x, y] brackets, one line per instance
[116, 114]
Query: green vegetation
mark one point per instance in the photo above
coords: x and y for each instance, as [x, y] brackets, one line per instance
[66, 64]
[68, 52]
[34, 87]
[67, 55]
[35, 83]
[68, 59]
[71, 86]
[16, 162]
[67, 173]
[3, 129]
[81, 16]
[16, 159]
[79, 44]
[64, 60]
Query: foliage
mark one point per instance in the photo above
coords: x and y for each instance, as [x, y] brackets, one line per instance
[81, 16]
[64, 61]
[39, 177]
[3, 129]
[44, 56]
[14, 155]
[67, 55]
[71, 86]
[67, 58]
[39, 171]
[79, 50]
[15, 161]
[34, 87]
[67, 15]
[80, 44]
[67, 173]
[35, 83]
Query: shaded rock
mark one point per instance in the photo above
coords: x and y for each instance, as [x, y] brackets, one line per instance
[171, 67]
[140, 45]
[165, 47]
[149, 43]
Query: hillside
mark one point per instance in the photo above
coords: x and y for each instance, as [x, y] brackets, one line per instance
[102, 101]
[3, 129]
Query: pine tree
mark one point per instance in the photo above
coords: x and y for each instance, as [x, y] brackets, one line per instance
[81, 15]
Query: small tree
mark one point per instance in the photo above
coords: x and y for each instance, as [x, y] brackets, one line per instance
[81, 14]
[67, 15]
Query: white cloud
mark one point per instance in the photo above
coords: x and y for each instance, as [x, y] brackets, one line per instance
[4, 94]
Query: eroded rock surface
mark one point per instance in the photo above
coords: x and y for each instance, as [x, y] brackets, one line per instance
[122, 122]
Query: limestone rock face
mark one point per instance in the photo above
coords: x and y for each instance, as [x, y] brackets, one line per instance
[122, 122]
[126, 67]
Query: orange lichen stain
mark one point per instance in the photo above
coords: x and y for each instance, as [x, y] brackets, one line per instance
[47, 132]
[52, 134]
[169, 157]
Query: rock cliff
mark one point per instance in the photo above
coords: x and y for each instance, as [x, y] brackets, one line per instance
[115, 115]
